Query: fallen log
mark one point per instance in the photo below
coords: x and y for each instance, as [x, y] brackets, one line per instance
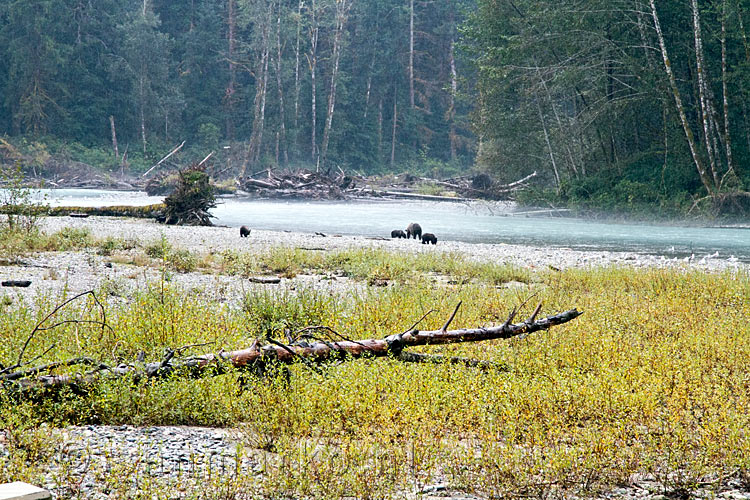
[258, 357]
[414, 196]
[261, 184]
[144, 211]
[162, 160]
[19, 283]
[265, 280]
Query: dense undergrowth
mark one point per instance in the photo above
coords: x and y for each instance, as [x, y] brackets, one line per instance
[651, 379]
[640, 191]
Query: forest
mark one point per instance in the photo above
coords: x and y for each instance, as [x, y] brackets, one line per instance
[365, 85]
[620, 104]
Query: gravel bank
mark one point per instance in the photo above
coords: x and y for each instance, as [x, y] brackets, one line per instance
[55, 273]
[216, 239]
[98, 462]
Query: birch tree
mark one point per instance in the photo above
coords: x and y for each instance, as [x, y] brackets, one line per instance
[342, 15]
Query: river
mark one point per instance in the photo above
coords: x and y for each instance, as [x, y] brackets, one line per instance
[475, 222]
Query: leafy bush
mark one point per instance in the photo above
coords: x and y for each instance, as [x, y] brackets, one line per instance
[17, 200]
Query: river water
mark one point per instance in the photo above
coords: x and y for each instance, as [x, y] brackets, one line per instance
[475, 222]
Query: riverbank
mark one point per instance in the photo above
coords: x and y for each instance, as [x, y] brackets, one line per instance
[217, 239]
[77, 271]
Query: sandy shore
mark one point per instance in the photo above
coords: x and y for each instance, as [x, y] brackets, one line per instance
[73, 272]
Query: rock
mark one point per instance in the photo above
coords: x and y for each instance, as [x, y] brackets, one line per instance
[19, 490]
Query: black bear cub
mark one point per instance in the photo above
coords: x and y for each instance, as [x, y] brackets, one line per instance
[397, 233]
[429, 238]
[244, 232]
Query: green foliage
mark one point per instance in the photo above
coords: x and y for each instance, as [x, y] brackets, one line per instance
[209, 135]
[655, 385]
[607, 136]
[17, 199]
[177, 259]
[155, 68]
[69, 238]
[369, 264]
[111, 244]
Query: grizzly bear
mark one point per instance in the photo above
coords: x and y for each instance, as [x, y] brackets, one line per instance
[414, 230]
[429, 238]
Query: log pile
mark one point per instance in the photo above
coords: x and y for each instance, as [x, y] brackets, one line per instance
[459, 188]
[304, 184]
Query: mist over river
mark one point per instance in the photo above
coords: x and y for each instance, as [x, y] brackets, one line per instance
[477, 222]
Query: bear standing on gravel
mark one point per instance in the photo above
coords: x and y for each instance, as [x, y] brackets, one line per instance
[244, 232]
[397, 233]
[429, 238]
[414, 230]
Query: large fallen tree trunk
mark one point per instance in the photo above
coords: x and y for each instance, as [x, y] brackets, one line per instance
[143, 211]
[410, 195]
[258, 357]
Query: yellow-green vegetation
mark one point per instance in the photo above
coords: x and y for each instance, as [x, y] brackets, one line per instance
[15, 243]
[369, 264]
[652, 378]
[430, 189]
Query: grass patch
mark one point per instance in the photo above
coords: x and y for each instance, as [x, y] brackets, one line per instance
[15, 244]
[368, 264]
[652, 378]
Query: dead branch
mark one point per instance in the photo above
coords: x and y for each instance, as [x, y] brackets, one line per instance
[162, 160]
[258, 357]
[39, 327]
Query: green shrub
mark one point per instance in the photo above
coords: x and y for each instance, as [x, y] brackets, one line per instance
[183, 261]
[159, 249]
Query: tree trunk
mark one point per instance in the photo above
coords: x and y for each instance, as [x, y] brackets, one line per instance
[261, 85]
[296, 68]
[393, 134]
[452, 105]
[705, 179]
[281, 138]
[229, 95]
[313, 66]
[380, 130]
[725, 91]
[142, 111]
[369, 82]
[746, 45]
[342, 13]
[411, 54]
[259, 148]
[644, 40]
[114, 137]
[549, 146]
[703, 96]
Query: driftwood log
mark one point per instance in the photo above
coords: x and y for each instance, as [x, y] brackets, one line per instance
[259, 356]
[144, 211]
[20, 283]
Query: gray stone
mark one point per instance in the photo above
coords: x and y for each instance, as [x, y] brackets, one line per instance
[22, 491]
